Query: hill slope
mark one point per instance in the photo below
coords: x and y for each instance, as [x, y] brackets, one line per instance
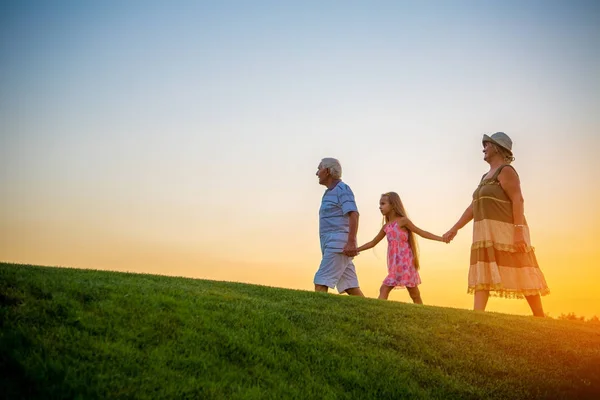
[67, 333]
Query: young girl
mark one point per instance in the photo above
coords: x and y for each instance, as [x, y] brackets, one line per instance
[402, 259]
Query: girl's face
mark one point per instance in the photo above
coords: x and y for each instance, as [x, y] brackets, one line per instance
[384, 205]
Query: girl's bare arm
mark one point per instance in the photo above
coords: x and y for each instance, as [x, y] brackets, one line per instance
[427, 235]
[373, 242]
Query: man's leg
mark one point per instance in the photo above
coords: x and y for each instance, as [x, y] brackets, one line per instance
[348, 282]
[328, 274]
[321, 288]
[355, 291]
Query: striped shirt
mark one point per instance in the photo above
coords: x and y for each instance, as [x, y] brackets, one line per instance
[334, 222]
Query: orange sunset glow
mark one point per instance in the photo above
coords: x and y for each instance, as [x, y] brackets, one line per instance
[184, 140]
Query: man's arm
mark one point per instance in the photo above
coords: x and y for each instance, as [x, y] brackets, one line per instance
[350, 248]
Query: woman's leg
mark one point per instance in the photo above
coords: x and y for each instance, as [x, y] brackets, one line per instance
[481, 299]
[535, 303]
[415, 294]
[384, 292]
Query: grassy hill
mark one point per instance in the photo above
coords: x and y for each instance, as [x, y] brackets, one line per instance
[68, 333]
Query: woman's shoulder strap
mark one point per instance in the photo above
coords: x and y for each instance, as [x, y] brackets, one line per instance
[500, 170]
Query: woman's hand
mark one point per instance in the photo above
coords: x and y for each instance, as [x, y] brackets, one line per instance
[519, 240]
[448, 236]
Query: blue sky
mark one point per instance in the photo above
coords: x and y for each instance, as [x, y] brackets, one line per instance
[166, 125]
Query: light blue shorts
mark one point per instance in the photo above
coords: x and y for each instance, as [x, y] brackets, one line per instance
[336, 270]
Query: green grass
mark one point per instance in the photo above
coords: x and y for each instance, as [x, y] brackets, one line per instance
[68, 333]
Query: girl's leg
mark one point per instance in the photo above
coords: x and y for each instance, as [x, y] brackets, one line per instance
[384, 292]
[535, 303]
[481, 299]
[415, 294]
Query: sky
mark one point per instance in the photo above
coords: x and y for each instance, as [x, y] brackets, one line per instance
[182, 138]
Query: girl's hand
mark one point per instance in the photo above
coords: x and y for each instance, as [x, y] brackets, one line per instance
[519, 240]
[448, 236]
[350, 248]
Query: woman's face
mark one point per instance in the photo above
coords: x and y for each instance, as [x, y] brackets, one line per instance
[488, 151]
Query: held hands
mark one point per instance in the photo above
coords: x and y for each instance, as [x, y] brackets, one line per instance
[350, 248]
[448, 236]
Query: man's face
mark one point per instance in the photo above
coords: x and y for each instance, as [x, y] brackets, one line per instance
[322, 173]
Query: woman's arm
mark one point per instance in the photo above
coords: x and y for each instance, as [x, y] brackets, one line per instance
[510, 183]
[462, 221]
[408, 223]
[373, 242]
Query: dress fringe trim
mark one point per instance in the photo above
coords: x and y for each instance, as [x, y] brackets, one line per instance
[496, 290]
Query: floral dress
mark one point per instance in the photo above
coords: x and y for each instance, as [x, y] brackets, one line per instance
[400, 259]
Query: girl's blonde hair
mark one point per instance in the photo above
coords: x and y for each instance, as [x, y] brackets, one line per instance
[398, 208]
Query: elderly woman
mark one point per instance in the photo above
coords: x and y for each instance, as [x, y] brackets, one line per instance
[338, 224]
[502, 259]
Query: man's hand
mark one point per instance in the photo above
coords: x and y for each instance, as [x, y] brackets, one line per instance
[350, 248]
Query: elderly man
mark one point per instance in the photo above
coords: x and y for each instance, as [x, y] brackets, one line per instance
[338, 224]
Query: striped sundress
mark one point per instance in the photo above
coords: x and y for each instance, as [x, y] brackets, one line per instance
[495, 264]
